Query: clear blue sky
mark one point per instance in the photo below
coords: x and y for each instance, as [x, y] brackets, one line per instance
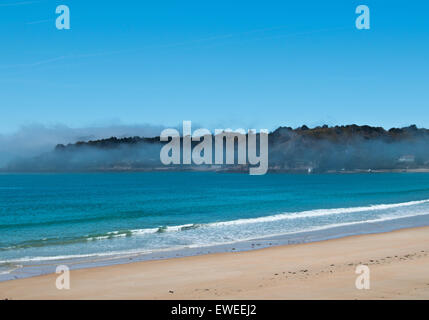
[219, 63]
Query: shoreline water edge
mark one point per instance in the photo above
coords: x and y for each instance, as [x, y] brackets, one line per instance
[397, 262]
[38, 268]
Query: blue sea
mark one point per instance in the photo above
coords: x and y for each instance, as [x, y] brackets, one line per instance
[47, 219]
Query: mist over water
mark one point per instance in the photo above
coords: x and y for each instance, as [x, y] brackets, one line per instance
[32, 141]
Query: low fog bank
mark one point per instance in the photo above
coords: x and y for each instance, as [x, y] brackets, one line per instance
[33, 140]
[88, 158]
[320, 149]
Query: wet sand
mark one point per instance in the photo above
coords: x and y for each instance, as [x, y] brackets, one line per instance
[398, 262]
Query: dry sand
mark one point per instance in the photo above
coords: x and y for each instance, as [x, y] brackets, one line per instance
[398, 262]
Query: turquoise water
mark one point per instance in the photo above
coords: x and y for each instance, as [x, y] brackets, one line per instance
[45, 217]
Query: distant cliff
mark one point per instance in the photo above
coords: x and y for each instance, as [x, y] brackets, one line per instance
[320, 149]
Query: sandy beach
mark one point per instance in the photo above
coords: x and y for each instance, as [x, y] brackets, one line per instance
[398, 262]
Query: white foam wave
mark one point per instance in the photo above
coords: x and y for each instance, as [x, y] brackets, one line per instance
[318, 213]
[277, 217]
[129, 253]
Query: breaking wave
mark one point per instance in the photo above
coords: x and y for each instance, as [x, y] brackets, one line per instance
[216, 225]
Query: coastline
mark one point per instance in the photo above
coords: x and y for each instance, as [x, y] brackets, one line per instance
[325, 269]
[218, 169]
